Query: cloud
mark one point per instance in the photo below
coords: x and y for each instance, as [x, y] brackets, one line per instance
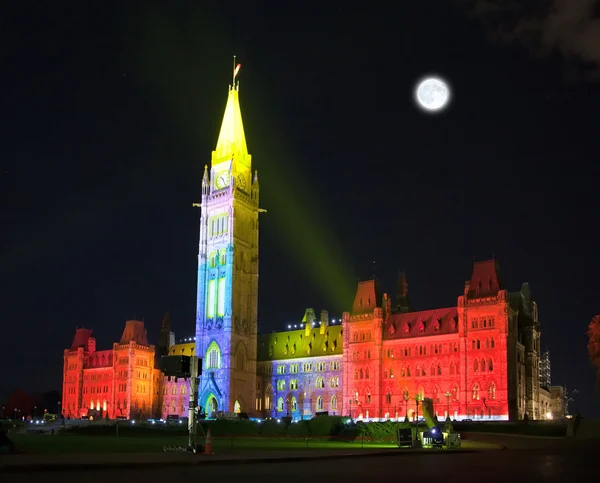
[570, 27]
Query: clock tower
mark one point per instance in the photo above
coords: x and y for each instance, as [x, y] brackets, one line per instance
[226, 308]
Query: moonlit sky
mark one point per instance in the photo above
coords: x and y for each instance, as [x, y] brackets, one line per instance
[110, 110]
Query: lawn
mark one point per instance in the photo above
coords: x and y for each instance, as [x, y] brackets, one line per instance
[69, 443]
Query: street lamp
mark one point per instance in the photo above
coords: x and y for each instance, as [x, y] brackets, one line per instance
[447, 405]
[417, 399]
[406, 407]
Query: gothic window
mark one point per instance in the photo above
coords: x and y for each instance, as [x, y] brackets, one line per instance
[388, 398]
[294, 384]
[213, 356]
[294, 404]
[367, 373]
[174, 390]
[452, 368]
[475, 392]
[407, 371]
[484, 323]
[368, 397]
[223, 257]
[420, 350]
[490, 365]
[473, 344]
[478, 344]
[369, 354]
[492, 344]
[403, 372]
[424, 350]
[183, 390]
[492, 391]
[432, 369]
[213, 260]
[320, 403]
[483, 365]
[487, 343]
[491, 322]
[423, 372]
[418, 371]
[392, 331]
[280, 405]
[355, 374]
[476, 366]
[355, 337]
[333, 404]
[361, 373]
[365, 354]
[281, 385]
[439, 369]
[454, 393]
[362, 336]
[436, 393]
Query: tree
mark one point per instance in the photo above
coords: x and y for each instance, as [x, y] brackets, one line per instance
[593, 334]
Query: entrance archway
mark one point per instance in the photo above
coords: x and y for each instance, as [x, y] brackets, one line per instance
[211, 406]
[236, 407]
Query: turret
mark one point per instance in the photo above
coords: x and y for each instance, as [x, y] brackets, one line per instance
[308, 320]
[205, 183]
[255, 187]
[324, 321]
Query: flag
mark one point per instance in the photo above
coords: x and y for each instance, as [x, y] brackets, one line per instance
[236, 70]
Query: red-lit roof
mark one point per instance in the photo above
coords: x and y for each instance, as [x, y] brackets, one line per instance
[485, 281]
[99, 359]
[81, 338]
[419, 324]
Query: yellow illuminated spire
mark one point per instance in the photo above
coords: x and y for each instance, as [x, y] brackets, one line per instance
[231, 144]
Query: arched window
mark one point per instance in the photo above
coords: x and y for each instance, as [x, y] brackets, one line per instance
[432, 370]
[475, 392]
[490, 365]
[294, 404]
[333, 402]
[213, 356]
[355, 374]
[403, 372]
[388, 397]
[361, 373]
[454, 392]
[368, 396]
[475, 365]
[478, 344]
[320, 403]
[223, 257]
[492, 391]
[280, 405]
[439, 369]
[452, 368]
[473, 344]
[408, 371]
[483, 365]
[183, 391]
[423, 372]
[436, 393]
[367, 373]
[281, 385]
[492, 343]
[213, 260]
[418, 371]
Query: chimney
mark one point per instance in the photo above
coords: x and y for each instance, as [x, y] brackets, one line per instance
[308, 319]
[324, 321]
[91, 345]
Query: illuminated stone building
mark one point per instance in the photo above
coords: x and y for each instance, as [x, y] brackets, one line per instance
[476, 360]
[300, 371]
[227, 291]
[118, 382]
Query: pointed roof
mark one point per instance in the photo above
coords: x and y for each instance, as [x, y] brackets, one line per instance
[232, 140]
[134, 331]
[367, 295]
[485, 280]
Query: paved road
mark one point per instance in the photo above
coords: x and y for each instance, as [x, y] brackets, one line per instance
[490, 466]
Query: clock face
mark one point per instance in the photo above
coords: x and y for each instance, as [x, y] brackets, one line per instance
[241, 181]
[222, 180]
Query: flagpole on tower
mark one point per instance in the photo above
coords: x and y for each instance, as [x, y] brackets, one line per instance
[234, 72]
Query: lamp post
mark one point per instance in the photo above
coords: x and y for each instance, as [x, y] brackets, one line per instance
[406, 407]
[417, 399]
[447, 405]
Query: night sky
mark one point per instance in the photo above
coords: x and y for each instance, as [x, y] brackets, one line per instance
[109, 112]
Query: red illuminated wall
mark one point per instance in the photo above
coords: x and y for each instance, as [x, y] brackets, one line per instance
[111, 383]
[457, 356]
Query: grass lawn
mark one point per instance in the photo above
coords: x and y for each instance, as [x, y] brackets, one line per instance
[66, 443]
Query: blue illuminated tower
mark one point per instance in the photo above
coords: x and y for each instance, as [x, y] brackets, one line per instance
[226, 310]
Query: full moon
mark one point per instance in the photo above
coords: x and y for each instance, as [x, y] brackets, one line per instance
[432, 94]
